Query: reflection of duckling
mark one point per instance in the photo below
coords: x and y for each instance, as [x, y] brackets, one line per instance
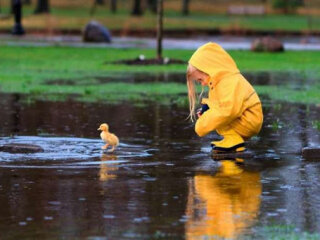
[108, 137]
[105, 169]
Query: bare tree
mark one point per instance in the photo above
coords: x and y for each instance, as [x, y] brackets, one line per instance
[159, 28]
[137, 8]
[12, 6]
[113, 6]
[17, 8]
[100, 2]
[185, 7]
[42, 6]
[152, 5]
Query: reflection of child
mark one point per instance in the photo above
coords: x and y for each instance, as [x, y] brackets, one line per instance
[234, 108]
[222, 205]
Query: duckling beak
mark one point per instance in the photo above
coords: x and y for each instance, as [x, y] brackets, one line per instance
[99, 128]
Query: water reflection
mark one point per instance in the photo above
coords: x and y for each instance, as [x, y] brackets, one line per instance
[224, 204]
[106, 168]
[295, 79]
[160, 174]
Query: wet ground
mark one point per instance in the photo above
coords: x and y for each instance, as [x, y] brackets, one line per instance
[295, 43]
[161, 183]
[295, 80]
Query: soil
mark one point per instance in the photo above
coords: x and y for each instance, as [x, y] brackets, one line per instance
[311, 153]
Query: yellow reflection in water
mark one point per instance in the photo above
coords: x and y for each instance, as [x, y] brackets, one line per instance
[221, 206]
[106, 168]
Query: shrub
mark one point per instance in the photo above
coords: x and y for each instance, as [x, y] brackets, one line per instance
[287, 5]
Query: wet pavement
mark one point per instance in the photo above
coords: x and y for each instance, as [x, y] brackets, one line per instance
[161, 183]
[228, 42]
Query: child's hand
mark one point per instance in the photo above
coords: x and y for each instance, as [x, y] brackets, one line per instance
[198, 112]
[203, 108]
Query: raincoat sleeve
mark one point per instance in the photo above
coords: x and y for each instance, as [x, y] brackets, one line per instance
[224, 106]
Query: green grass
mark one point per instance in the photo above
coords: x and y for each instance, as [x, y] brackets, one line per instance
[283, 232]
[316, 124]
[76, 17]
[29, 70]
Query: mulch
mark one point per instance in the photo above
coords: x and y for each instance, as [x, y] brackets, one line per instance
[150, 61]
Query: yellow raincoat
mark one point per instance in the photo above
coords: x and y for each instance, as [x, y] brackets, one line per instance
[232, 101]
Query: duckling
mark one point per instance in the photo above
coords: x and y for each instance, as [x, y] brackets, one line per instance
[108, 137]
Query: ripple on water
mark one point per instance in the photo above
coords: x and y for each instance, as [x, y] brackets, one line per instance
[68, 152]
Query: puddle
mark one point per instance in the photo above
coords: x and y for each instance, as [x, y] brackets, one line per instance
[296, 80]
[160, 183]
[79, 151]
[127, 78]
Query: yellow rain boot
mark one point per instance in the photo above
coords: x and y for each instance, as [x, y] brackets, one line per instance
[231, 142]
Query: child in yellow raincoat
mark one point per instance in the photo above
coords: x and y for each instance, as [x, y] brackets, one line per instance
[234, 108]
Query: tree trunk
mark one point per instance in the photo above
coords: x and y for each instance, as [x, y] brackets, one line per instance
[137, 11]
[185, 7]
[152, 5]
[27, 2]
[286, 9]
[100, 2]
[159, 28]
[42, 6]
[17, 8]
[12, 6]
[113, 6]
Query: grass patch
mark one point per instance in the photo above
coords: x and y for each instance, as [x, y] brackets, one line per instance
[76, 17]
[316, 124]
[281, 232]
[29, 70]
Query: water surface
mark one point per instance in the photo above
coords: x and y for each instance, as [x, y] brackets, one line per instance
[161, 183]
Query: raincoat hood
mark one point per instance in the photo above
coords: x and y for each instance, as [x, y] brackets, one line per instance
[213, 60]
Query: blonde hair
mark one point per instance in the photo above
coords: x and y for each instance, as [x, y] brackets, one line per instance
[192, 93]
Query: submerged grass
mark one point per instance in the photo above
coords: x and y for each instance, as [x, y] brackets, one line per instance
[29, 70]
[283, 232]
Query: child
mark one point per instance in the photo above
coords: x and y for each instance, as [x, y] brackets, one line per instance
[234, 109]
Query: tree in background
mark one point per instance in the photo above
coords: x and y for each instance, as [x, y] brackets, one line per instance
[12, 6]
[159, 28]
[100, 2]
[287, 6]
[17, 9]
[152, 5]
[113, 6]
[185, 7]
[42, 6]
[27, 2]
[137, 8]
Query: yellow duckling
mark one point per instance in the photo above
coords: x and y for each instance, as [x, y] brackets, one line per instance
[108, 137]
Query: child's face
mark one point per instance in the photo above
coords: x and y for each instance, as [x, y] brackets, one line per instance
[200, 77]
